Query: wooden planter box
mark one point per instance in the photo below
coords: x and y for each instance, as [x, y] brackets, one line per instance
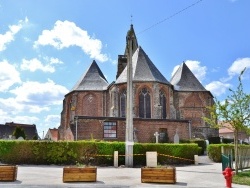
[8, 173]
[73, 174]
[158, 175]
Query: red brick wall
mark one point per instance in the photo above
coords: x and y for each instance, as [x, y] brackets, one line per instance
[192, 106]
[93, 128]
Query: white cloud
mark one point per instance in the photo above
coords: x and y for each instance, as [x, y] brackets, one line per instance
[8, 76]
[217, 88]
[40, 94]
[196, 68]
[34, 65]
[55, 61]
[52, 118]
[25, 119]
[9, 35]
[31, 97]
[66, 34]
[238, 66]
[13, 106]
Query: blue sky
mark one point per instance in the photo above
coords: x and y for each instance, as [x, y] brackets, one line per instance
[45, 47]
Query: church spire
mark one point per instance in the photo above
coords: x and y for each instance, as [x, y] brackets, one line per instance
[122, 59]
[131, 33]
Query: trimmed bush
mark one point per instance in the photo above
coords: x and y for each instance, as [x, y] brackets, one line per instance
[214, 150]
[201, 143]
[91, 152]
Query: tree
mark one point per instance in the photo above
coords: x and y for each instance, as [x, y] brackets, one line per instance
[19, 132]
[235, 110]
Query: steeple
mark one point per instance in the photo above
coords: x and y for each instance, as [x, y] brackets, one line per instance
[131, 33]
[122, 59]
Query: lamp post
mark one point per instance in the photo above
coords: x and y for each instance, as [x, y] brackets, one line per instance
[129, 111]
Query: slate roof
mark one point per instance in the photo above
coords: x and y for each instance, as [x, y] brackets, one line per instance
[93, 79]
[8, 129]
[143, 69]
[185, 80]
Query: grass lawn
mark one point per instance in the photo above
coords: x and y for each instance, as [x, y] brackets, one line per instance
[242, 178]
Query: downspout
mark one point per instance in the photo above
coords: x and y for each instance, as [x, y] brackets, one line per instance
[189, 128]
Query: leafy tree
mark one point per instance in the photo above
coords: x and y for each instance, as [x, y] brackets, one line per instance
[235, 110]
[19, 132]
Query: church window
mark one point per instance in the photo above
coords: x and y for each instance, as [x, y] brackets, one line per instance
[163, 105]
[144, 104]
[123, 104]
[109, 129]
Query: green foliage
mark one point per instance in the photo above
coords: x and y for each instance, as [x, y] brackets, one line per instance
[90, 152]
[214, 150]
[16, 152]
[5, 148]
[214, 140]
[19, 132]
[242, 178]
[59, 153]
[235, 110]
[179, 151]
[35, 137]
[201, 143]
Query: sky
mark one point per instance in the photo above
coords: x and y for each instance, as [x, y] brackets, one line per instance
[45, 47]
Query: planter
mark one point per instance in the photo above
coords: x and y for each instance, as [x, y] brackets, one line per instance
[85, 174]
[158, 175]
[8, 172]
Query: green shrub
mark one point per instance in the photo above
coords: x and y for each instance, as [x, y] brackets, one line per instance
[214, 140]
[214, 150]
[201, 143]
[167, 153]
[96, 153]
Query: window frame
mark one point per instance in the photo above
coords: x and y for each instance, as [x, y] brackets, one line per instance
[123, 98]
[109, 129]
[163, 102]
[144, 103]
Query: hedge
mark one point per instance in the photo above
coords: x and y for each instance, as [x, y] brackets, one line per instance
[214, 150]
[201, 143]
[98, 153]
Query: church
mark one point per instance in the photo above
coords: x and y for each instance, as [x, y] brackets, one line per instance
[96, 109]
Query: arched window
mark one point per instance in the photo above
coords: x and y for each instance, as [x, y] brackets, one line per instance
[163, 105]
[144, 104]
[123, 103]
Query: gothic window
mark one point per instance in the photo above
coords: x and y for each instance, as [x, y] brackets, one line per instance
[163, 105]
[123, 103]
[144, 104]
[109, 129]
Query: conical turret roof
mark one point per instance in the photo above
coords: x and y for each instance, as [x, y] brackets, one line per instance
[143, 69]
[185, 80]
[93, 79]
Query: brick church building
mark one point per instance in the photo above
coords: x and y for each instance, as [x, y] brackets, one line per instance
[95, 109]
